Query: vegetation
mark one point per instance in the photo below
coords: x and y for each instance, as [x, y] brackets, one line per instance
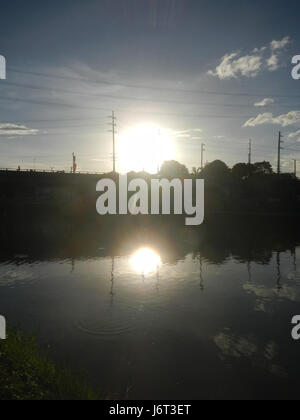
[247, 188]
[26, 374]
[173, 169]
[244, 189]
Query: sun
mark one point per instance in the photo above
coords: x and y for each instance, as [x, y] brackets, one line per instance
[144, 148]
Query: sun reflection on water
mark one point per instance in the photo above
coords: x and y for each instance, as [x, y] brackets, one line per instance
[145, 261]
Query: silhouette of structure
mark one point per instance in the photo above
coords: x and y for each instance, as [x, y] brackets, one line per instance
[74, 166]
[280, 141]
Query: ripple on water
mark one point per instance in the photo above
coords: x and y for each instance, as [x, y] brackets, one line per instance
[110, 322]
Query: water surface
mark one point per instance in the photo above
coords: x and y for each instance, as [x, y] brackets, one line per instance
[157, 310]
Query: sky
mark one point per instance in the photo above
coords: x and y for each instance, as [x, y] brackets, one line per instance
[210, 72]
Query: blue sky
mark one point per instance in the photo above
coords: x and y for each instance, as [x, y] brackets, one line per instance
[207, 71]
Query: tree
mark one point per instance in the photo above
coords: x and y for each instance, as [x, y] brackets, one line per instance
[173, 169]
[242, 170]
[216, 170]
[196, 171]
[263, 168]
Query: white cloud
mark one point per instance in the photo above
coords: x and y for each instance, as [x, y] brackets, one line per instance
[291, 118]
[294, 135]
[186, 134]
[273, 63]
[279, 45]
[7, 129]
[265, 102]
[261, 119]
[234, 65]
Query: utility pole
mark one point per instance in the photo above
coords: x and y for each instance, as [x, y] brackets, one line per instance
[280, 141]
[74, 164]
[250, 152]
[202, 154]
[295, 167]
[113, 131]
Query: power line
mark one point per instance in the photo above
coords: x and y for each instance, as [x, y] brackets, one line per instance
[131, 98]
[237, 144]
[159, 88]
[291, 150]
[123, 110]
[39, 102]
[36, 121]
[123, 97]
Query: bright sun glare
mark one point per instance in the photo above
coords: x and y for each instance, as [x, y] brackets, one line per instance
[145, 261]
[144, 147]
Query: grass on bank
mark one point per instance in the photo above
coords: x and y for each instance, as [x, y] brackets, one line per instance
[26, 374]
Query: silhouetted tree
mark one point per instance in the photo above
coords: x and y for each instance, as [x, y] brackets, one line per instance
[216, 170]
[173, 169]
[242, 170]
[196, 171]
[263, 168]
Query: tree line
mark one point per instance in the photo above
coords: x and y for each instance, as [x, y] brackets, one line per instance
[242, 188]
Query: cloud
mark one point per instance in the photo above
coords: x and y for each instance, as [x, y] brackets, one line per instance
[295, 134]
[261, 119]
[187, 134]
[234, 65]
[7, 129]
[231, 66]
[273, 63]
[279, 45]
[291, 118]
[265, 102]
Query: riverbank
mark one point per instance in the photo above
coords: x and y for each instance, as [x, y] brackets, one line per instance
[26, 374]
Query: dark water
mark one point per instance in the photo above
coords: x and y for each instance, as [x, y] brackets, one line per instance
[157, 310]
